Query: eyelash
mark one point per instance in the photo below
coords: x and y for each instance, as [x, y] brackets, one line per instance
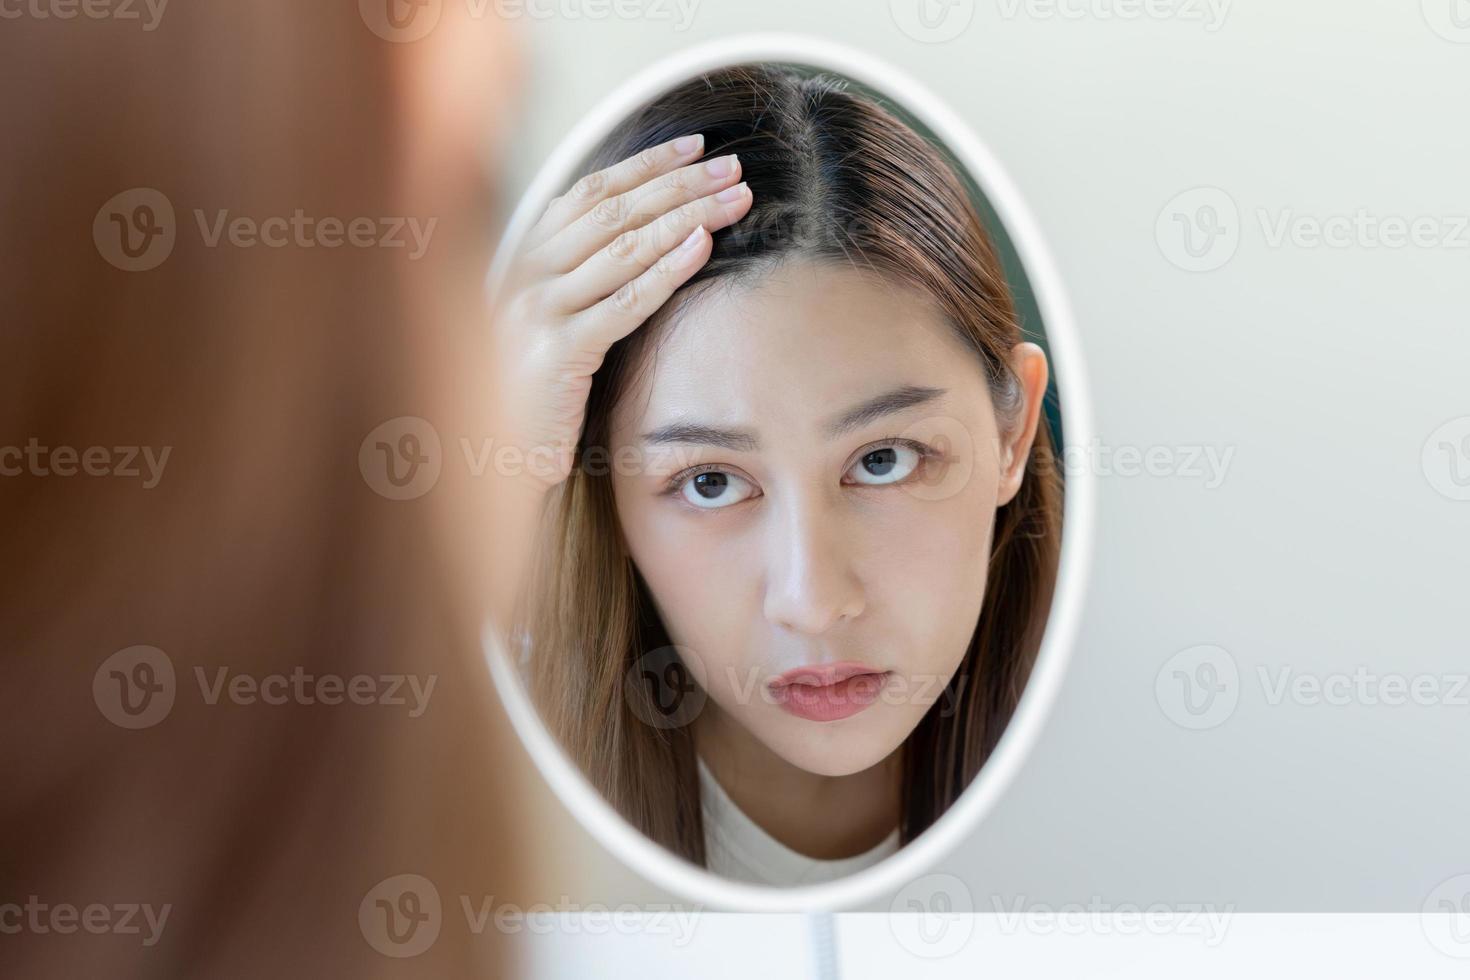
[926, 454]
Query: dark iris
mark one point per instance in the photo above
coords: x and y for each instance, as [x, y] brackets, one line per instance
[711, 482]
[880, 461]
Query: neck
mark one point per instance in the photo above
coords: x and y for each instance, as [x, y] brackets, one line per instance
[825, 817]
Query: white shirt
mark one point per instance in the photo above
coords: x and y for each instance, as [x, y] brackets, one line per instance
[736, 847]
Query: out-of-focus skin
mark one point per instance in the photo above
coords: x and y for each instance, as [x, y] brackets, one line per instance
[262, 550]
[800, 553]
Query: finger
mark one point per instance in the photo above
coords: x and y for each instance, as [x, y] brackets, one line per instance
[633, 252]
[623, 176]
[622, 213]
[621, 313]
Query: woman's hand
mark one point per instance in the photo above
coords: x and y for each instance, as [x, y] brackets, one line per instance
[605, 256]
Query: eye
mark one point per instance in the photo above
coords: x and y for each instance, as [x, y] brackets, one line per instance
[888, 464]
[713, 489]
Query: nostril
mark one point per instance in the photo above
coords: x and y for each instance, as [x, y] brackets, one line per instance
[813, 611]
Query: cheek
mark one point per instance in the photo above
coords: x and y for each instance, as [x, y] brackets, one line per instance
[698, 581]
[929, 572]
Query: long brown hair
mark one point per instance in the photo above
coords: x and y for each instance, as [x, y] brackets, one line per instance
[837, 177]
[260, 548]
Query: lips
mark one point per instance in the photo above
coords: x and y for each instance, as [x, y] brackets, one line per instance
[828, 692]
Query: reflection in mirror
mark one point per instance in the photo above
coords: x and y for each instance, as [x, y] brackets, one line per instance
[793, 579]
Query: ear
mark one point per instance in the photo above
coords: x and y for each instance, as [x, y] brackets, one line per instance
[1028, 361]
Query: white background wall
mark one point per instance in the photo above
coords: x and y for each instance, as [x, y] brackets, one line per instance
[1333, 541]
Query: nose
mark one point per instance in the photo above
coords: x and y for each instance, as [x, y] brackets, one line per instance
[812, 584]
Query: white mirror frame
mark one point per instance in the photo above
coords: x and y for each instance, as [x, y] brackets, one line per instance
[575, 791]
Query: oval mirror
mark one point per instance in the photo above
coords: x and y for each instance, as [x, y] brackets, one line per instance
[806, 596]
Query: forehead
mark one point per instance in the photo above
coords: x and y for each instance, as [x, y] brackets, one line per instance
[792, 346]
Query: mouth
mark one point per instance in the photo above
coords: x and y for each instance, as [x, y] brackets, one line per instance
[828, 692]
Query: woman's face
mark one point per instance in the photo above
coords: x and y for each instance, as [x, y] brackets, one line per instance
[821, 572]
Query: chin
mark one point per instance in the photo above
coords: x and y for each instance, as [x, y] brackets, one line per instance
[839, 753]
[835, 766]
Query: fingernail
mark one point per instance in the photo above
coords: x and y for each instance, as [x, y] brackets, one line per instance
[688, 244]
[732, 194]
[720, 166]
[686, 145]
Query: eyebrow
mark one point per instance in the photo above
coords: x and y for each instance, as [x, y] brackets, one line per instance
[745, 441]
